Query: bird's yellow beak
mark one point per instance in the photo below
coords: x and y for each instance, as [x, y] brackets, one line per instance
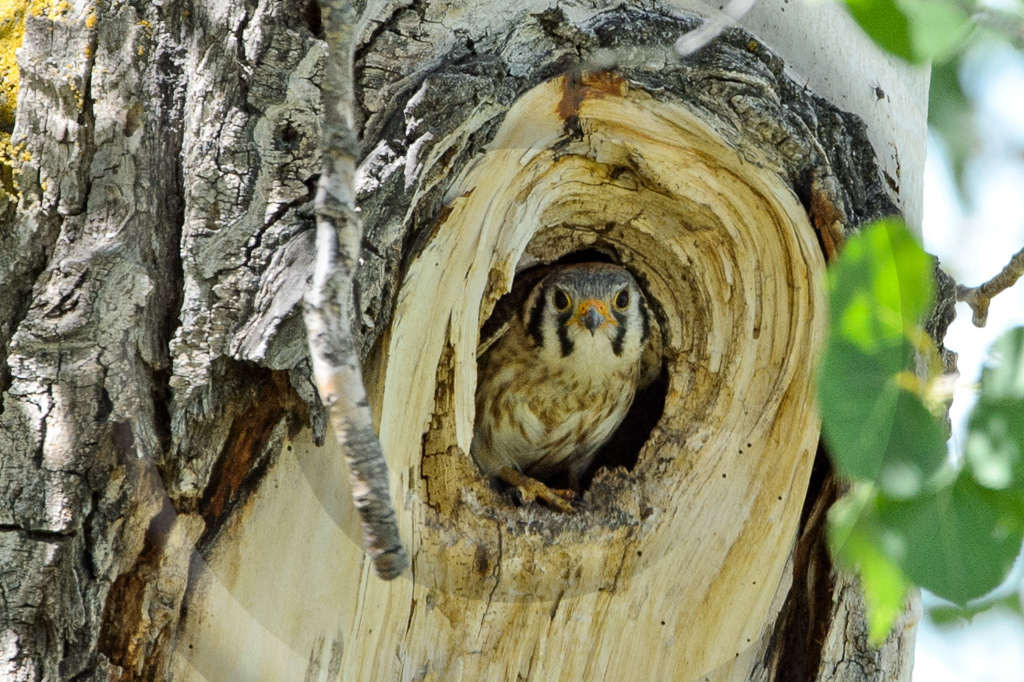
[592, 315]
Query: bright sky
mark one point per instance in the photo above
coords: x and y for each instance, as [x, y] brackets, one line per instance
[973, 246]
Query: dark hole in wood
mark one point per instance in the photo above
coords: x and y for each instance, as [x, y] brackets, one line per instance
[314, 18]
[623, 448]
[288, 137]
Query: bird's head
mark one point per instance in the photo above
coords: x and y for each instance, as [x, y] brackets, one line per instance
[596, 309]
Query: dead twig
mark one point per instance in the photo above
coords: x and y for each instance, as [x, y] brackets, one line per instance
[690, 42]
[328, 310]
[981, 296]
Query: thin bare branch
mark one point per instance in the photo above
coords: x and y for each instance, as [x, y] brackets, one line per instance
[981, 296]
[689, 43]
[328, 310]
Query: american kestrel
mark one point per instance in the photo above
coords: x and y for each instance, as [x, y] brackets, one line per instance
[555, 384]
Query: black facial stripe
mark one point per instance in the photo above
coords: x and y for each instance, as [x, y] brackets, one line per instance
[563, 333]
[645, 320]
[536, 315]
[620, 332]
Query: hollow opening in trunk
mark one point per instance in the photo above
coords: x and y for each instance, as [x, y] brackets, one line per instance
[622, 449]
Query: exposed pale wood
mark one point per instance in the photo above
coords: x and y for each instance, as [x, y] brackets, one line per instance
[730, 259]
[698, 536]
[241, 627]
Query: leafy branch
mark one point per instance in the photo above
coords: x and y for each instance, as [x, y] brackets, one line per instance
[911, 515]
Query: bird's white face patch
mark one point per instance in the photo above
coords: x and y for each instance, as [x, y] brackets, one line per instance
[593, 358]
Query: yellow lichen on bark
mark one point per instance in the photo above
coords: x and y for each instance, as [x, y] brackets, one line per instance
[12, 33]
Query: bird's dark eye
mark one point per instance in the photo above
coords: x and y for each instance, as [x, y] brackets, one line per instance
[561, 301]
[622, 300]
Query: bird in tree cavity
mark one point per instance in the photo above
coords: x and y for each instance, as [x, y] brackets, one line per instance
[557, 377]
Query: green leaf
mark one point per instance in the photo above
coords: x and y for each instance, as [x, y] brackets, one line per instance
[995, 430]
[914, 30]
[960, 542]
[886, 24]
[915, 450]
[937, 28]
[875, 428]
[956, 615]
[880, 286]
[854, 547]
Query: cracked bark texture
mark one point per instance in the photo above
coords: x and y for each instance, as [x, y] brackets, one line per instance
[151, 347]
[153, 358]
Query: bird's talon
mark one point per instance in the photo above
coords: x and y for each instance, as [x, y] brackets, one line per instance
[566, 494]
[526, 496]
[530, 490]
[555, 499]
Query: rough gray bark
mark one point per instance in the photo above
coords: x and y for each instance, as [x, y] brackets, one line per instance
[148, 324]
[152, 352]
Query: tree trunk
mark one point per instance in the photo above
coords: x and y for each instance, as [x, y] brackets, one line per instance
[174, 506]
